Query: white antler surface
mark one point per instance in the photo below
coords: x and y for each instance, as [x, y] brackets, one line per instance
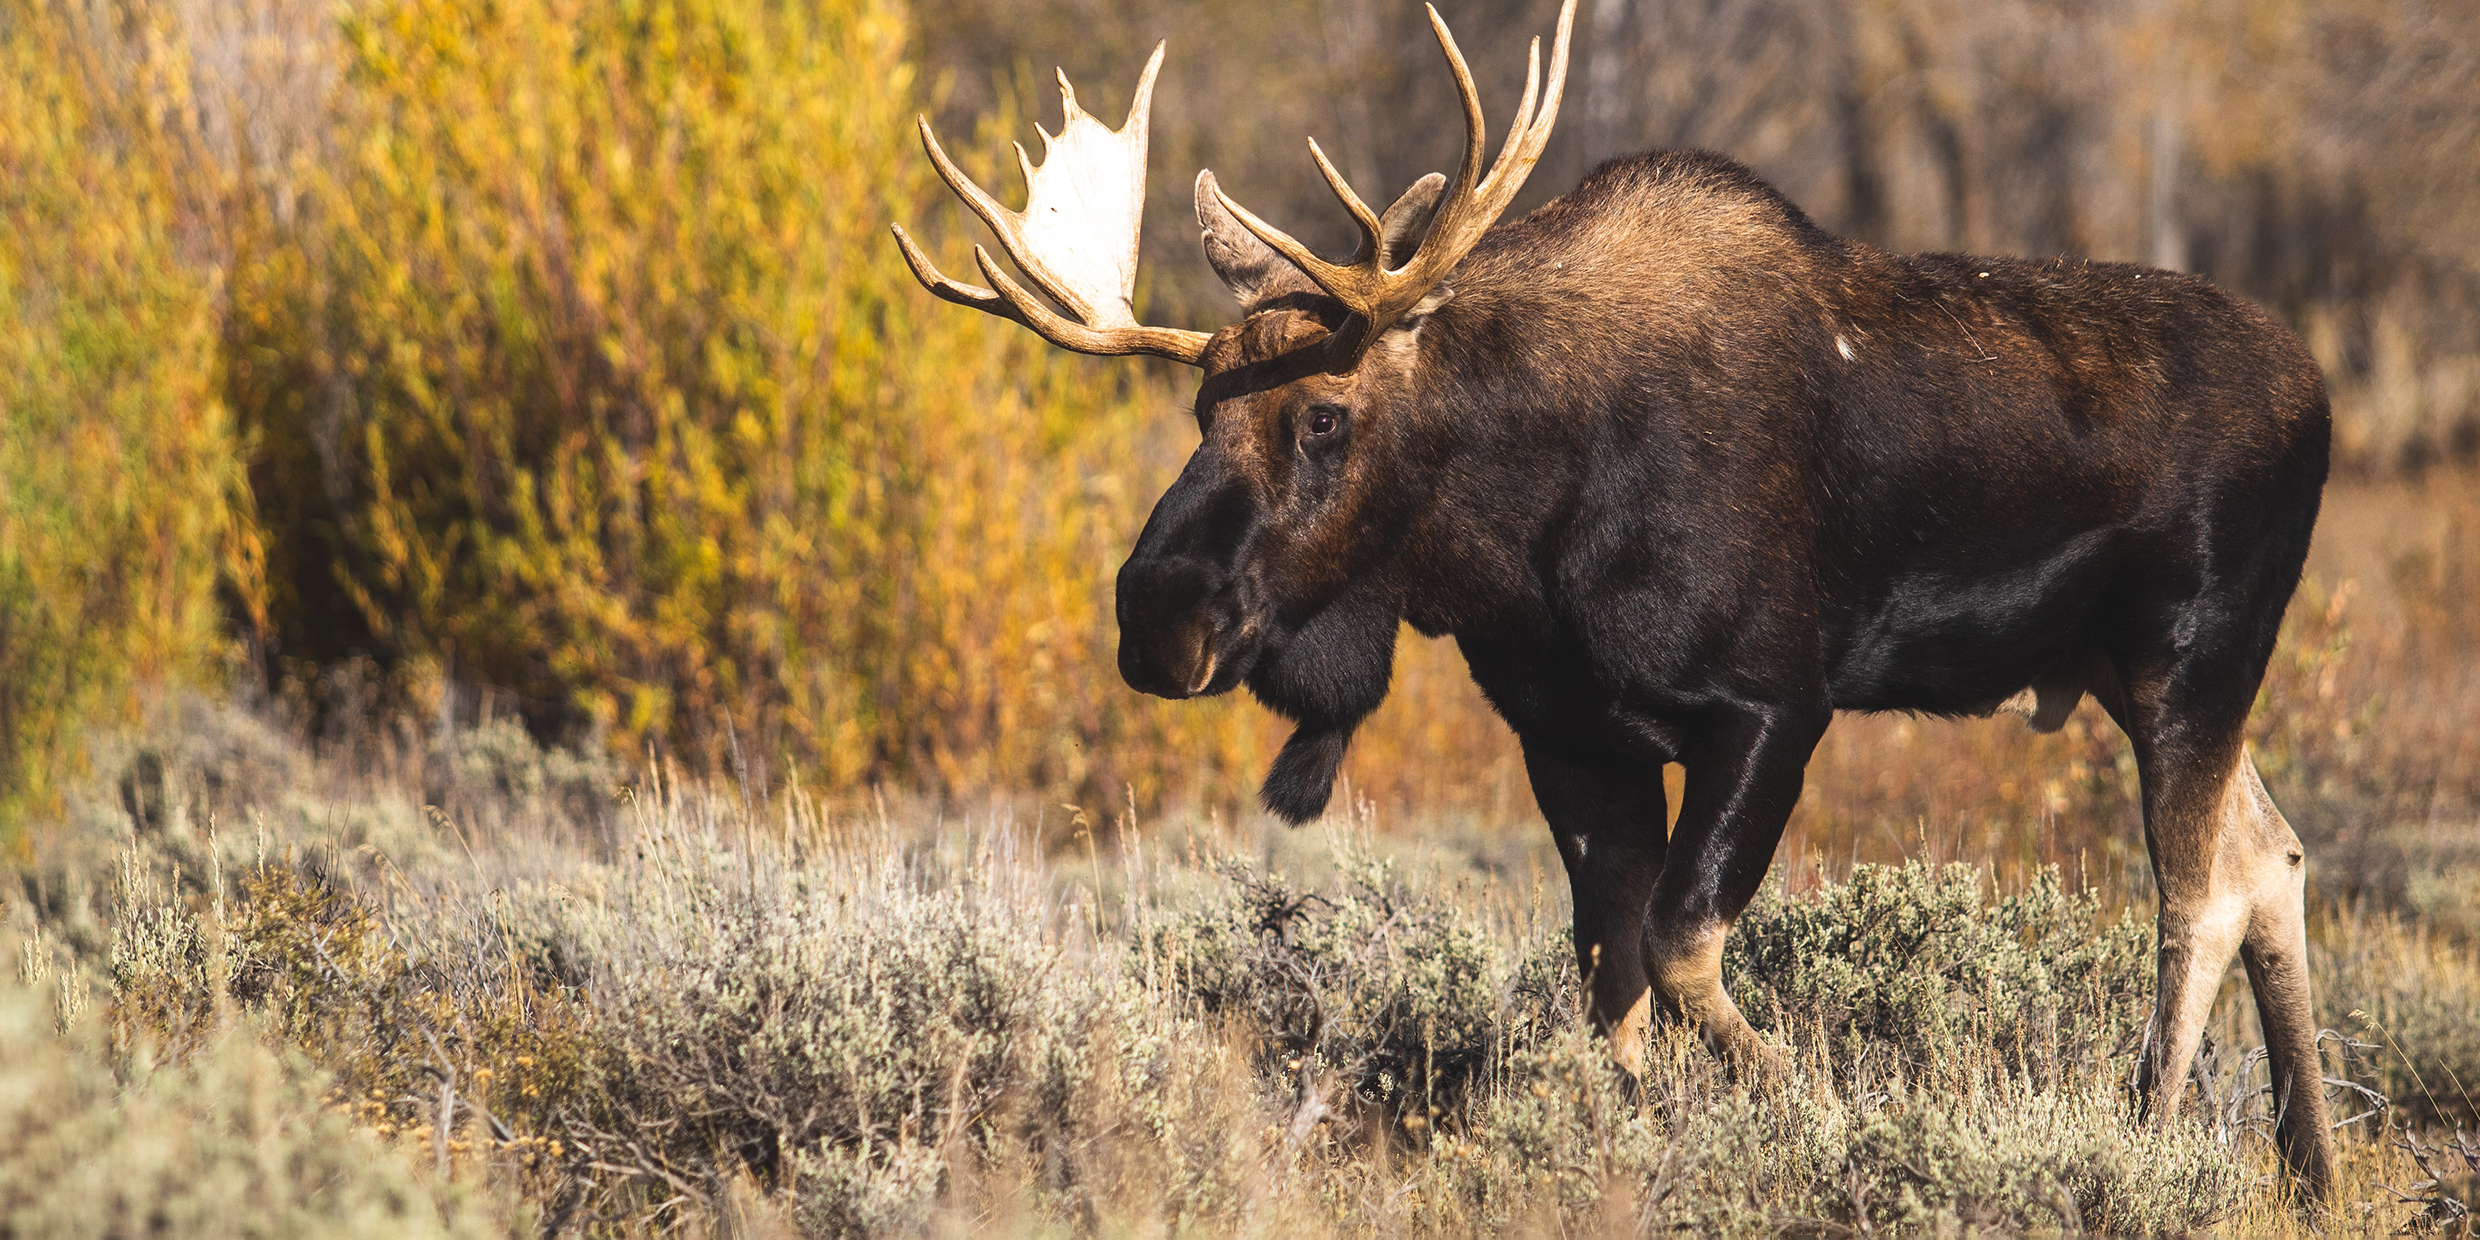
[1077, 237]
[1086, 202]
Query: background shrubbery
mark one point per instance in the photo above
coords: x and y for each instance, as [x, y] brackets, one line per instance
[572, 377]
[690, 1013]
[628, 413]
[119, 477]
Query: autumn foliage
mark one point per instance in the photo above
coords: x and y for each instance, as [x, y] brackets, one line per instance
[550, 358]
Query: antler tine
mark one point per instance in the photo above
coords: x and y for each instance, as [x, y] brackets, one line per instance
[1076, 239]
[1010, 301]
[1361, 214]
[1169, 342]
[1520, 131]
[1325, 273]
[1476, 122]
[1378, 297]
[1008, 226]
[939, 285]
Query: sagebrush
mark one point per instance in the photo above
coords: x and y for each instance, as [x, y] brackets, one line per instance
[691, 1010]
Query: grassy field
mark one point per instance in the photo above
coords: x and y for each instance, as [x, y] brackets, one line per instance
[422, 976]
[545, 688]
[491, 998]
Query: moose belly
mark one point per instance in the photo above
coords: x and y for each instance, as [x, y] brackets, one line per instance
[1979, 636]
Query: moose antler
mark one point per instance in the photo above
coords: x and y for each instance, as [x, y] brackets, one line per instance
[1076, 238]
[1378, 296]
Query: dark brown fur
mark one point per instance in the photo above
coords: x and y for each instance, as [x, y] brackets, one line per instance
[1683, 475]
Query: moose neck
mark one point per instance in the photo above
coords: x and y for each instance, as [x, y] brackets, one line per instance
[1570, 373]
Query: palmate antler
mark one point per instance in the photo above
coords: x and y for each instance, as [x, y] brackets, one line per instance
[1076, 238]
[1378, 296]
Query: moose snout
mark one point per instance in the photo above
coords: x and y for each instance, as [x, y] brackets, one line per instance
[1174, 633]
[1179, 666]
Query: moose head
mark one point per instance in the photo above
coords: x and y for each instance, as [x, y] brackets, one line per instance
[1268, 563]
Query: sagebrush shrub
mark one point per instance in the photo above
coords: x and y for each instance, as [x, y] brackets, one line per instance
[863, 1016]
[224, 1137]
[1912, 959]
[1395, 988]
[704, 1018]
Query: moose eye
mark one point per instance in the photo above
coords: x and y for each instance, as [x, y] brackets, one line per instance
[1323, 419]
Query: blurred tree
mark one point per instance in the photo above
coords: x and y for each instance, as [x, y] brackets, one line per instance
[117, 479]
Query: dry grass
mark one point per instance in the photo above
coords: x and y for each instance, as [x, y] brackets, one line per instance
[538, 1005]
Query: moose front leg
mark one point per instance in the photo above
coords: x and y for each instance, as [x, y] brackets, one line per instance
[1608, 819]
[1743, 780]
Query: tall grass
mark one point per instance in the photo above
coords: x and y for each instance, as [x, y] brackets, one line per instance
[679, 1011]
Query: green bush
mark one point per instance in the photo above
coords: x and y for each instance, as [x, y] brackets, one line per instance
[1911, 959]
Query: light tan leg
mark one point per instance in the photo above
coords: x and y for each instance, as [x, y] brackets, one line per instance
[2232, 883]
[2276, 953]
[2204, 914]
[1627, 1037]
[1686, 973]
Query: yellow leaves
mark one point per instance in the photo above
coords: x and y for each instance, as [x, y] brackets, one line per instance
[583, 367]
[653, 422]
[115, 465]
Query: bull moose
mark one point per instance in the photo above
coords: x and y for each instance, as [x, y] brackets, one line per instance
[1683, 475]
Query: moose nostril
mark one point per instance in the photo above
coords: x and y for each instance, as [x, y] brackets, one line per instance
[1173, 660]
[1205, 664]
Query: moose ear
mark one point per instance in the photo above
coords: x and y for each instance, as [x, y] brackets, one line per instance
[1249, 267]
[1402, 226]
[1401, 229]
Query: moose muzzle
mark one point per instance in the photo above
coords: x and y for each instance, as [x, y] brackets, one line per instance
[1180, 631]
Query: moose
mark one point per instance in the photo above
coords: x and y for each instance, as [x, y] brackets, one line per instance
[1683, 475]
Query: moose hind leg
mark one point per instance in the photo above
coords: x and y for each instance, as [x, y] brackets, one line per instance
[2275, 950]
[2231, 875]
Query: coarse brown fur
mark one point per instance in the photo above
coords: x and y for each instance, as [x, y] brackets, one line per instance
[1683, 475]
